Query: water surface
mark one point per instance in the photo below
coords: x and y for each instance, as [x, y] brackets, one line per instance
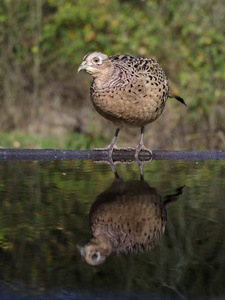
[44, 215]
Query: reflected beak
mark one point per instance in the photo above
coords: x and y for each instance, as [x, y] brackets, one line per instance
[82, 66]
[81, 249]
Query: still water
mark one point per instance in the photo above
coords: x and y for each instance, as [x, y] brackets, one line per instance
[71, 230]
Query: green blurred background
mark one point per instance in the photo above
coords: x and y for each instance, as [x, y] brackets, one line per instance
[45, 103]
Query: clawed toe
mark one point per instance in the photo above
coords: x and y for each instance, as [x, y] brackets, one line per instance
[139, 148]
[109, 148]
[103, 149]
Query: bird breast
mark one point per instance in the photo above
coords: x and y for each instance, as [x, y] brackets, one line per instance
[134, 101]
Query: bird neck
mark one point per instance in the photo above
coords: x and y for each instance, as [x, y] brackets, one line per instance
[103, 79]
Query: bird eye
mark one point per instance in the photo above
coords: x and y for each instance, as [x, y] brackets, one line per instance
[96, 60]
[96, 255]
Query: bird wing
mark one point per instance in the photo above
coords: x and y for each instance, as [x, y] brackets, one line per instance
[140, 65]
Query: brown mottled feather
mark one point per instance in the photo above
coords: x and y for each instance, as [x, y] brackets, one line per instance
[136, 97]
[131, 213]
[127, 90]
[129, 217]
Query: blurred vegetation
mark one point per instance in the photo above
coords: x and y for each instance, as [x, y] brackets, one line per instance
[44, 211]
[44, 41]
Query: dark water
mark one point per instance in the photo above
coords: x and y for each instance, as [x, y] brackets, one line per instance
[44, 215]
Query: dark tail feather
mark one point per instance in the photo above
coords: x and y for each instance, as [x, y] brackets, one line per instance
[172, 95]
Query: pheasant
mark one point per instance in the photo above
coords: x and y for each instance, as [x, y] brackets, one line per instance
[129, 217]
[127, 90]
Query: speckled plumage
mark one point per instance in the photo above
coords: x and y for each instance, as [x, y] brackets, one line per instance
[136, 97]
[129, 217]
[127, 90]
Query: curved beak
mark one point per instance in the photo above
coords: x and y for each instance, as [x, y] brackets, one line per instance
[82, 66]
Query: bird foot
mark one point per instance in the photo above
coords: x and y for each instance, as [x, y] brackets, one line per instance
[141, 163]
[139, 148]
[110, 161]
[104, 148]
[110, 148]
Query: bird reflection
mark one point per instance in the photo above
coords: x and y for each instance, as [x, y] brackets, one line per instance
[129, 217]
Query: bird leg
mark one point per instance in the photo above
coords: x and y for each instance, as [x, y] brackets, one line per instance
[141, 145]
[112, 145]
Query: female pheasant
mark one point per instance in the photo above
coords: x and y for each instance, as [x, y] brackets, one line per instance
[127, 90]
[129, 217]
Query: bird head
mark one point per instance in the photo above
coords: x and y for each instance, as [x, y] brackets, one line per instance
[91, 256]
[94, 63]
[95, 252]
